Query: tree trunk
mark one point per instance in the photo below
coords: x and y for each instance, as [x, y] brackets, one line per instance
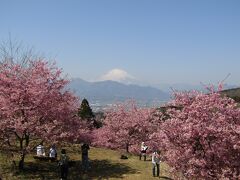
[21, 143]
[127, 148]
[23, 152]
[21, 162]
[26, 140]
[8, 141]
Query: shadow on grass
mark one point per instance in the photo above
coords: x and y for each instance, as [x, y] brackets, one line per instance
[147, 160]
[100, 169]
[165, 177]
[40, 170]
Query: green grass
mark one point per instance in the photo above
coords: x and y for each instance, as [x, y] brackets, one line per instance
[105, 164]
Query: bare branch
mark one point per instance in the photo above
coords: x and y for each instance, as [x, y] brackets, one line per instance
[14, 52]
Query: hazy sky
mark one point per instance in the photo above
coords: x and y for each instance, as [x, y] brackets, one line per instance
[154, 41]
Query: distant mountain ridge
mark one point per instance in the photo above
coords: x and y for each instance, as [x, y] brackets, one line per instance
[188, 87]
[105, 92]
[233, 93]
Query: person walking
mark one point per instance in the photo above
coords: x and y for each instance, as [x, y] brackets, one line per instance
[156, 159]
[63, 163]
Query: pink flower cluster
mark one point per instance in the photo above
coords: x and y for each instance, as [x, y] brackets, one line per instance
[202, 138]
[33, 102]
[198, 133]
[126, 126]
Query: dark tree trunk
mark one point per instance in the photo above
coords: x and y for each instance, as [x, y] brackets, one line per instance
[26, 140]
[21, 143]
[8, 141]
[127, 148]
[21, 162]
[22, 150]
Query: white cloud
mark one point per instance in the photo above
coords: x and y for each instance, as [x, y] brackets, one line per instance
[117, 75]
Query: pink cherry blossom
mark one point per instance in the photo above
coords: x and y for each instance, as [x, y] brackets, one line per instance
[34, 103]
[201, 138]
[126, 126]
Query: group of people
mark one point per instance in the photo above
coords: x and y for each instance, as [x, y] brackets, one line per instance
[52, 151]
[156, 158]
[64, 159]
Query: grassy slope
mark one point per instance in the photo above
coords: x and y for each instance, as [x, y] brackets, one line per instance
[105, 164]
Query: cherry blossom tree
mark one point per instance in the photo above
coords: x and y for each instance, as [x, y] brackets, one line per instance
[126, 126]
[201, 138]
[34, 103]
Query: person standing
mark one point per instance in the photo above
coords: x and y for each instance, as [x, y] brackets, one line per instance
[53, 153]
[63, 163]
[143, 151]
[40, 150]
[156, 159]
[85, 164]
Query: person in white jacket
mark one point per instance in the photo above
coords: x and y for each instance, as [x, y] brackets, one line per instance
[156, 159]
[40, 150]
[143, 151]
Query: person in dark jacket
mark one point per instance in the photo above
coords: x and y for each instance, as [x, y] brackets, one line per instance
[63, 163]
[85, 163]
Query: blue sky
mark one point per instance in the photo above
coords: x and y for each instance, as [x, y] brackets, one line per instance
[151, 41]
